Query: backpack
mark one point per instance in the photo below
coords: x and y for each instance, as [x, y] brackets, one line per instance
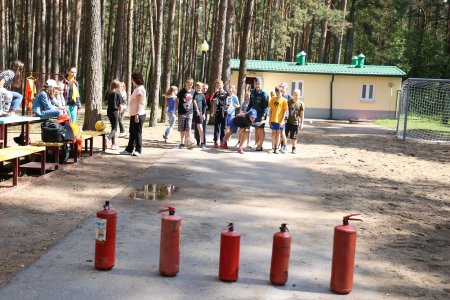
[52, 132]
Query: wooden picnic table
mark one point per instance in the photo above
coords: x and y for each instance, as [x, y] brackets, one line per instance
[13, 154]
[24, 121]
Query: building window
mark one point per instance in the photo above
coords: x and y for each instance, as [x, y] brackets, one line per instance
[297, 85]
[367, 92]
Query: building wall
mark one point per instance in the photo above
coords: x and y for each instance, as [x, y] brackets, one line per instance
[347, 91]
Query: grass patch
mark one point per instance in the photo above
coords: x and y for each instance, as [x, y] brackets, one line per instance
[415, 122]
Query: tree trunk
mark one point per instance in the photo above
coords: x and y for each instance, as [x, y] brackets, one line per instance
[323, 34]
[154, 91]
[130, 46]
[167, 61]
[56, 52]
[231, 19]
[338, 38]
[448, 29]
[219, 44]
[350, 34]
[243, 49]
[93, 46]
[117, 58]
[49, 36]
[271, 45]
[76, 33]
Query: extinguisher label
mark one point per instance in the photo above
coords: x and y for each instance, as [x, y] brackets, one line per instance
[101, 230]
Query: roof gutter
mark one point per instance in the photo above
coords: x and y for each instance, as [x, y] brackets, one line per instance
[331, 97]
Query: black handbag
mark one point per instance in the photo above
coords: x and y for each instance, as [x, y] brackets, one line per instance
[52, 132]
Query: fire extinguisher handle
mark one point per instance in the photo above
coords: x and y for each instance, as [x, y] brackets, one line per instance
[230, 226]
[349, 218]
[168, 208]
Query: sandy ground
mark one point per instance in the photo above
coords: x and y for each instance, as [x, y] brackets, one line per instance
[401, 188]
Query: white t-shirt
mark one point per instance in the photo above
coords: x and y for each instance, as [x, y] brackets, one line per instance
[138, 107]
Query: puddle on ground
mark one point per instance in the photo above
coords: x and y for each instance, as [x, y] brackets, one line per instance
[154, 192]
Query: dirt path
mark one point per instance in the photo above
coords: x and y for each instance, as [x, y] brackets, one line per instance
[402, 188]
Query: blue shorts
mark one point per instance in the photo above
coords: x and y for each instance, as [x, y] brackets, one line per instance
[230, 120]
[276, 126]
[233, 127]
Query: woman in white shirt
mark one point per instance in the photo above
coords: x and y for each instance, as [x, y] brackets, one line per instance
[136, 107]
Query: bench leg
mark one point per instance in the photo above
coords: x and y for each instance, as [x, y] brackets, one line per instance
[15, 163]
[104, 142]
[43, 159]
[86, 145]
[91, 148]
[56, 156]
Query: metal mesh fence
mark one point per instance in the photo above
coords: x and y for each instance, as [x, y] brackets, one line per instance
[424, 110]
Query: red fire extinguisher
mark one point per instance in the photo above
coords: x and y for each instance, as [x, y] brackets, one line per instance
[281, 252]
[229, 254]
[105, 240]
[343, 261]
[169, 251]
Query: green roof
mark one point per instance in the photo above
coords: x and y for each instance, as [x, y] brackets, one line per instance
[316, 68]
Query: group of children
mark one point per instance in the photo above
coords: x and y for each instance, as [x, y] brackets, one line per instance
[284, 113]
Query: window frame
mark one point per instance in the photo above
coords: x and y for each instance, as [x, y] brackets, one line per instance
[365, 92]
[295, 84]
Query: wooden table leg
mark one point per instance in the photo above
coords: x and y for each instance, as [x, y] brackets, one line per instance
[86, 145]
[15, 163]
[5, 135]
[27, 133]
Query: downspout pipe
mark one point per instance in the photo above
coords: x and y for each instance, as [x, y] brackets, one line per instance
[331, 97]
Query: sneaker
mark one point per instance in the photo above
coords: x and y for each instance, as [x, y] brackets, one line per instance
[216, 145]
[125, 152]
[114, 147]
[136, 153]
[123, 134]
[203, 146]
[275, 151]
[240, 150]
[165, 138]
[283, 149]
[225, 146]
[293, 151]
[259, 149]
[181, 146]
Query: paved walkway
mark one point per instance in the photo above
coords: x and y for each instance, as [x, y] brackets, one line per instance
[258, 191]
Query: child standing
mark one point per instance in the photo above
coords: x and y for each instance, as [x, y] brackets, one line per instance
[171, 98]
[199, 114]
[221, 104]
[295, 119]
[277, 110]
[123, 92]
[114, 108]
[184, 108]
[244, 107]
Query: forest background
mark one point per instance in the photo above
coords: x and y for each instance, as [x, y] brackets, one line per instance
[107, 39]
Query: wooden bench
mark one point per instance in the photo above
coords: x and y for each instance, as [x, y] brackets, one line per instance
[88, 137]
[13, 154]
[54, 146]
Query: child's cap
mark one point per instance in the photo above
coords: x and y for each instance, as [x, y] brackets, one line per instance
[252, 113]
[283, 85]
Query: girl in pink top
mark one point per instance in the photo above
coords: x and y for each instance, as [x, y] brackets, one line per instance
[136, 106]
